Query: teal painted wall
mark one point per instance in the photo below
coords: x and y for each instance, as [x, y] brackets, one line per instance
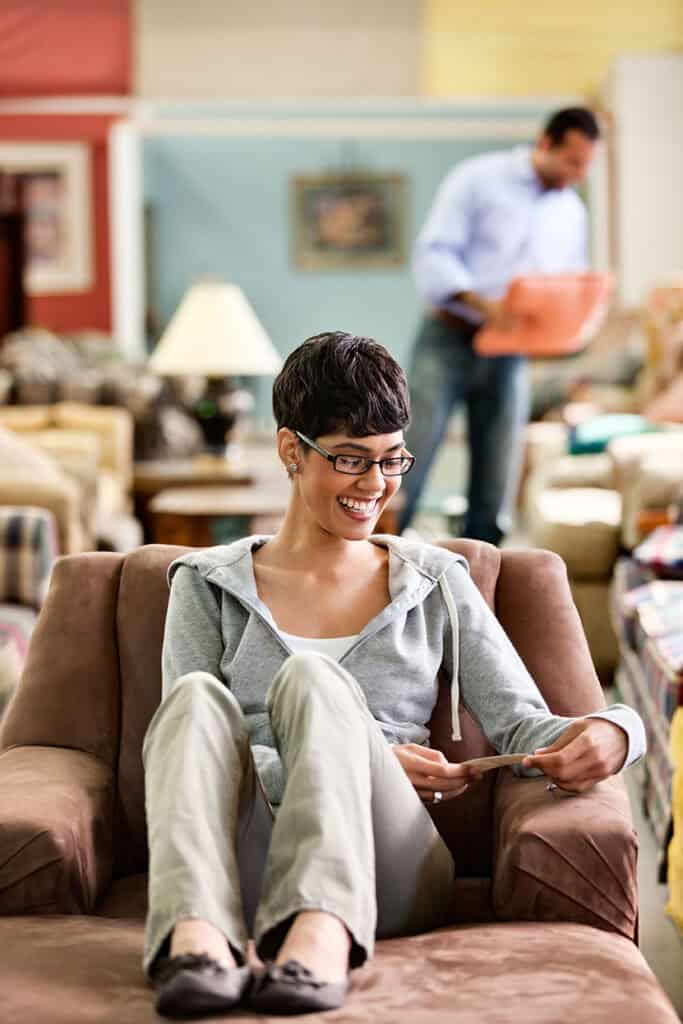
[219, 205]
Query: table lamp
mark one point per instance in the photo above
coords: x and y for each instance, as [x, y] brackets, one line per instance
[216, 334]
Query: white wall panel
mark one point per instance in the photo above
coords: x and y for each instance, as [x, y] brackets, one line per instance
[646, 99]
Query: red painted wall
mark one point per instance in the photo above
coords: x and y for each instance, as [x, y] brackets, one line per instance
[91, 308]
[64, 47]
[68, 48]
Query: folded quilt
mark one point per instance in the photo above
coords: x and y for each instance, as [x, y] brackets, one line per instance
[663, 667]
[662, 551]
[28, 548]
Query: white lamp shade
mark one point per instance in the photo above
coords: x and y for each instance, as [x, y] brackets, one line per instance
[215, 333]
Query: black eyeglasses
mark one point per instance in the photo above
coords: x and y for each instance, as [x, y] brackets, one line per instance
[356, 465]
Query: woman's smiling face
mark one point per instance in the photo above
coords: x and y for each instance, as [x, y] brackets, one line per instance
[344, 505]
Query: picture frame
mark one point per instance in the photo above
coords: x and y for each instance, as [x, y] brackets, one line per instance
[55, 189]
[349, 221]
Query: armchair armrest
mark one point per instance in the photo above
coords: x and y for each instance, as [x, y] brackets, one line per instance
[55, 830]
[565, 858]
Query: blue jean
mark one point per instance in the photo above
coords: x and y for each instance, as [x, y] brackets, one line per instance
[446, 373]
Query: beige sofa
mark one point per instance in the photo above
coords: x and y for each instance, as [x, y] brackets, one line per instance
[92, 450]
[587, 508]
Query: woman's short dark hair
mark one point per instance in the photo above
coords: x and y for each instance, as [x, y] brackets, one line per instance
[341, 382]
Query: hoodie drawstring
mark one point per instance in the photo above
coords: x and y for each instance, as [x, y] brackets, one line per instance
[455, 687]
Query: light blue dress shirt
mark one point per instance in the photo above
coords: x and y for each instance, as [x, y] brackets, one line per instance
[492, 220]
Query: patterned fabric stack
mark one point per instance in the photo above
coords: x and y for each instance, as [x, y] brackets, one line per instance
[663, 665]
[28, 548]
[631, 585]
[647, 615]
[662, 551]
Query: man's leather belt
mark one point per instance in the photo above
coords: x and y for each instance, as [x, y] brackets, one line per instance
[453, 320]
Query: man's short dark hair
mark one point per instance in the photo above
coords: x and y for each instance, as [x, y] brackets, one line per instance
[571, 119]
[338, 382]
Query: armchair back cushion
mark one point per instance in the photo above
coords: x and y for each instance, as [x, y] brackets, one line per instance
[98, 643]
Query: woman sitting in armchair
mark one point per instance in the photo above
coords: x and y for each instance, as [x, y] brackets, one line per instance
[288, 766]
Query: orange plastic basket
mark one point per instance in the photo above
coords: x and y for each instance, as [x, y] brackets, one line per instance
[556, 314]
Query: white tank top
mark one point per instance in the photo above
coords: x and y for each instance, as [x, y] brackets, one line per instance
[335, 646]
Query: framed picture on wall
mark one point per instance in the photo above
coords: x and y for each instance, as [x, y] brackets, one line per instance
[348, 221]
[53, 183]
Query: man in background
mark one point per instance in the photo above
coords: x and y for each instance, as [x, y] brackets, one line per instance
[495, 217]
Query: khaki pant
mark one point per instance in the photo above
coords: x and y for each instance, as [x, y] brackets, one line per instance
[351, 836]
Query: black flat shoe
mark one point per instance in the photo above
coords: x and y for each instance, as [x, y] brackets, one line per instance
[291, 988]
[195, 985]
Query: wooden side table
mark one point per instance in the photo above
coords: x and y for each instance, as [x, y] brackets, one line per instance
[155, 475]
[204, 516]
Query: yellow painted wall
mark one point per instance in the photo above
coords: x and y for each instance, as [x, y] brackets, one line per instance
[539, 47]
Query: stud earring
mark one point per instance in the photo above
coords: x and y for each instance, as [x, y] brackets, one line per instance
[292, 468]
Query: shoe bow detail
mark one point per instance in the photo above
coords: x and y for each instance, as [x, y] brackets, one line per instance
[292, 973]
[170, 966]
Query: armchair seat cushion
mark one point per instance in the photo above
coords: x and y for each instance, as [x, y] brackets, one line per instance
[477, 974]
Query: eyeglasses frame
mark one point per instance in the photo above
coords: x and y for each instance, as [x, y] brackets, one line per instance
[370, 462]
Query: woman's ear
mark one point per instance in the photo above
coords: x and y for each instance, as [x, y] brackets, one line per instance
[288, 450]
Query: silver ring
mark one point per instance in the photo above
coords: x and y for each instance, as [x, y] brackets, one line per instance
[438, 797]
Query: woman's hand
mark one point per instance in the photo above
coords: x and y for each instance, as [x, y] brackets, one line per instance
[430, 772]
[588, 751]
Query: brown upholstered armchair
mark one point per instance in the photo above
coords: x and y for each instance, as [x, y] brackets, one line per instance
[545, 907]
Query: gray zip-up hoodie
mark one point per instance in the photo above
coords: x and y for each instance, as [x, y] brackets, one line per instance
[436, 621]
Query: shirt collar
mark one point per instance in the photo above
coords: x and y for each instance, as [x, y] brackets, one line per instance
[522, 166]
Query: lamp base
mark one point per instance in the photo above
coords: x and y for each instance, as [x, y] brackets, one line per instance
[217, 412]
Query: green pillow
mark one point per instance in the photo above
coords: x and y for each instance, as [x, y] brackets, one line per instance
[595, 434]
